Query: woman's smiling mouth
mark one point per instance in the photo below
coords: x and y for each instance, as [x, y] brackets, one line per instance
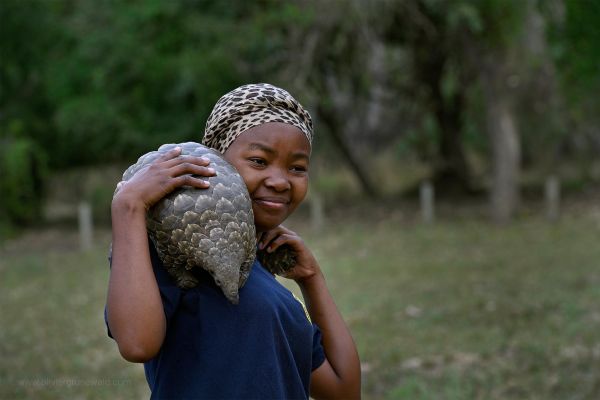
[272, 202]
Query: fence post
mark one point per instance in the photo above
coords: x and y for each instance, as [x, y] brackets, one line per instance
[427, 197]
[552, 195]
[85, 226]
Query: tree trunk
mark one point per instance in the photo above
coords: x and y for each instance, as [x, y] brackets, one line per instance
[504, 138]
[452, 172]
[327, 116]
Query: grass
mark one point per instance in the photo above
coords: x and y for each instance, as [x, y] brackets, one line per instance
[455, 310]
[466, 311]
[52, 335]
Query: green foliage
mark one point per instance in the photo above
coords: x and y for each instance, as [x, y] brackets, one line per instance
[26, 34]
[88, 84]
[123, 78]
[499, 23]
[578, 46]
[575, 40]
[23, 168]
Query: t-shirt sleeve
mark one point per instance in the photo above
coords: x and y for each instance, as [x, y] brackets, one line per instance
[318, 354]
[169, 292]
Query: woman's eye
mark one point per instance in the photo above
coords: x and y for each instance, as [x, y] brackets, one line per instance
[299, 168]
[258, 161]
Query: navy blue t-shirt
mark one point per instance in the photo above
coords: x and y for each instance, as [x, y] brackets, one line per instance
[265, 347]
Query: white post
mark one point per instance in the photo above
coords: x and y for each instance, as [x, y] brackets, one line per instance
[85, 226]
[427, 197]
[552, 194]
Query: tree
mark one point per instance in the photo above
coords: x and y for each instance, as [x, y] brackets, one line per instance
[458, 49]
[82, 84]
[26, 33]
[575, 48]
[436, 35]
[333, 74]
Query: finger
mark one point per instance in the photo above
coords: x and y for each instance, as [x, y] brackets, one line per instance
[118, 188]
[280, 240]
[188, 180]
[267, 237]
[171, 154]
[202, 161]
[286, 230]
[259, 240]
[189, 168]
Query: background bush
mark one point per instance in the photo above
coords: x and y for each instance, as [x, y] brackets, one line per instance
[23, 169]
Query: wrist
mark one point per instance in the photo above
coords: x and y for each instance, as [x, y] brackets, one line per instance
[123, 205]
[124, 202]
[311, 281]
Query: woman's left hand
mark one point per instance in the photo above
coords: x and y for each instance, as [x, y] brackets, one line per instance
[306, 264]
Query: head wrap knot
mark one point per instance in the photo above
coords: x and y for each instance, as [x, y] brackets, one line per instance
[249, 106]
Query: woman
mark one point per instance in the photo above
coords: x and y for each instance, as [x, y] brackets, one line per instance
[201, 346]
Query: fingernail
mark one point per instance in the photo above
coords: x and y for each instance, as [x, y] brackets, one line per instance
[260, 245]
[177, 148]
[205, 159]
[211, 171]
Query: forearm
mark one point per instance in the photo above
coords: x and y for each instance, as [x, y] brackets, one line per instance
[338, 344]
[134, 307]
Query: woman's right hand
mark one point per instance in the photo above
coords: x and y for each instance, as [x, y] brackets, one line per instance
[154, 181]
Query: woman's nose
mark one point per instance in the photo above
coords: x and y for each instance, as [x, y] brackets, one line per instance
[278, 181]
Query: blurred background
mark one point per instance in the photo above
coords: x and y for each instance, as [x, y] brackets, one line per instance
[455, 179]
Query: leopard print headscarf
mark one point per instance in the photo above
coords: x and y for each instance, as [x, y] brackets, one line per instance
[249, 106]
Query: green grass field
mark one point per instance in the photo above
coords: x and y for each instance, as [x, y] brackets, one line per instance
[456, 310]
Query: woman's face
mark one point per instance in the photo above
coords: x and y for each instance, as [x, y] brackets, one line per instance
[273, 160]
